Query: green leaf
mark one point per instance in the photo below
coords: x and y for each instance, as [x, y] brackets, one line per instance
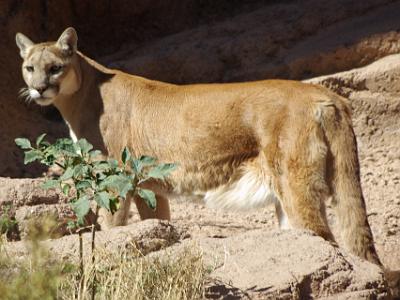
[114, 204]
[126, 155]
[143, 161]
[84, 145]
[84, 184]
[69, 172]
[100, 176]
[103, 199]
[120, 183]
[80, 171]
[40, 139]
[149, 197]
[71, 225]
[81, 207]
[94, 153]
[113, 163]
[51, 183]
[64, 143]
[65, 146]
[32, 155]
[66, 188]
[147, 160]
[101, 165]
[161, 171]
[48, 160]
[23, 143]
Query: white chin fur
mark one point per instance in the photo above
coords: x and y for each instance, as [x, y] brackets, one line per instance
[43, 101]
[34, 94]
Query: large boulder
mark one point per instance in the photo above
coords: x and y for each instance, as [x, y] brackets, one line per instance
[285, 265]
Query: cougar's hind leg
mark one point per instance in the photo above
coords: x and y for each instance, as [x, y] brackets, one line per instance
[161, 212]
[304, 208]
[281, 215]
[303, 183]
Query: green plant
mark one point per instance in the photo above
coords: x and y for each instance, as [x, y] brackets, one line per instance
[33, 276]
[86, 177]
[8, 225]
[107, 182]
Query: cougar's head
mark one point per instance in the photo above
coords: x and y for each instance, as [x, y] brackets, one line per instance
[49, 69]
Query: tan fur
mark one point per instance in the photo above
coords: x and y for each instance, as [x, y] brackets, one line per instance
[238, 145]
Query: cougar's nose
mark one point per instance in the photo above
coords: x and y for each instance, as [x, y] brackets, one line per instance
[41, 89]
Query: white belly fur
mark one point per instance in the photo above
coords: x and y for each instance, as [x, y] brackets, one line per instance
[252, 190]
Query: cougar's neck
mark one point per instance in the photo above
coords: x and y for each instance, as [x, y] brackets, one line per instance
[82, 109]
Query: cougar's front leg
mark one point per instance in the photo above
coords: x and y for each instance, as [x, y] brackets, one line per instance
[161, 212]
[107, 220]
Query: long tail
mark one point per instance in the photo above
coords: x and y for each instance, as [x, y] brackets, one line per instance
[343, 172]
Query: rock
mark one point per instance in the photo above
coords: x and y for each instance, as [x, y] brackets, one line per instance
[197, 41]
[291, 41]
[286, 265]
[24, 201]
[27, 192]
[60, 214]
[146, 236]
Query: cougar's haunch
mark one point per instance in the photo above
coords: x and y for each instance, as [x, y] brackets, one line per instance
[238, 145]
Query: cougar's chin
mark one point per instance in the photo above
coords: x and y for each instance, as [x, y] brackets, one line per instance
[46, 98]
[43, 101]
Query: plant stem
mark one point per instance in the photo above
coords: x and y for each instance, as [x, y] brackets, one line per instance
[82, 276]
[93, 254]
[60, 165]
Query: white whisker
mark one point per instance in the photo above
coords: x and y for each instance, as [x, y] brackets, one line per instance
[24, 93]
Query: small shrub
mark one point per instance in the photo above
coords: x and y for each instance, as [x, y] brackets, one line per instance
[34, 277]
[8, 225]
[107, 182]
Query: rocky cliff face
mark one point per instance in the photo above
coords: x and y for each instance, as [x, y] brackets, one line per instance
[190, 41]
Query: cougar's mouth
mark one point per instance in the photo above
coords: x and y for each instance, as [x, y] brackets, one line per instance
[45, 98]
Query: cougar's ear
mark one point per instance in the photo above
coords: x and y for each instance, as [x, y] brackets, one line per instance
[23, 43]
[68, 41]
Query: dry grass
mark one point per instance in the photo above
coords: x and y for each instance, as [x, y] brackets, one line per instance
[128, 275]
[123, 275]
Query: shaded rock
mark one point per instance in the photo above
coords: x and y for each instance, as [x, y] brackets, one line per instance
[20, 192]
[289, 40]
[196, 41]
[28, 216]
[24, 201]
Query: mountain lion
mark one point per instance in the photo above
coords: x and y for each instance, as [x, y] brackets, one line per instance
[238, 145]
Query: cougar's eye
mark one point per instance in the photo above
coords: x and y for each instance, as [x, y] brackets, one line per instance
[55, 69]
[29, 68]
